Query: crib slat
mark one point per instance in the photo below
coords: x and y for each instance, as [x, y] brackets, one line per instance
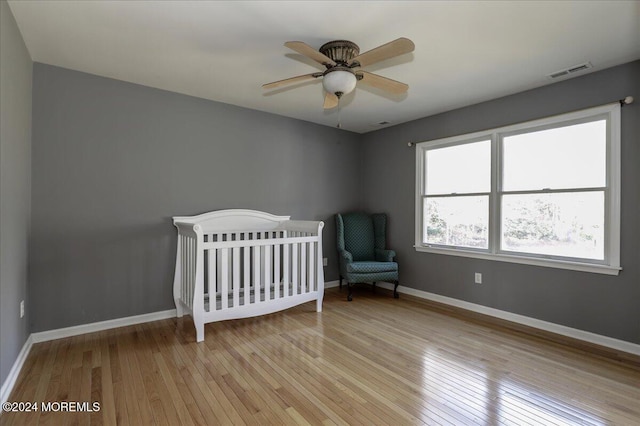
[216, 291]
[303, 268]
[276, 270]
[213, 275]
[224, 280]
[256, 274]
[236, 276]
[229, 263]
[247, 275]
[267, 272]
[294, 268]
[312, 269]
[285, 267]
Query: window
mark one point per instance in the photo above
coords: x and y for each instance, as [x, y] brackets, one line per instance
[457, 188]
[545, 192]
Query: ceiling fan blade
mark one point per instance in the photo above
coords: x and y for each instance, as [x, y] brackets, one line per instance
[383, 83]
[386, 51]
[292, 80]
[330, 100]
[309, 52]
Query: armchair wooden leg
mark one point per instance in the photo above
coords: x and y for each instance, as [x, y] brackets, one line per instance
[374, 287]
[349, 296]
[395, 290]
[340, 282]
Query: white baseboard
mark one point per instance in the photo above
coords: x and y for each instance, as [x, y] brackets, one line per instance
[331, 284]
[60, 333]
[598, 339]
[10, 381]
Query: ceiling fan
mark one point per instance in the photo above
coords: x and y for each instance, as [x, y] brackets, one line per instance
[343, 61]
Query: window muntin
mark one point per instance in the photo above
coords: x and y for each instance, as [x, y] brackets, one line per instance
[568, 164]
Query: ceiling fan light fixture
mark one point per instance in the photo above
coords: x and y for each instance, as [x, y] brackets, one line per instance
[344, 63]
[339, 81]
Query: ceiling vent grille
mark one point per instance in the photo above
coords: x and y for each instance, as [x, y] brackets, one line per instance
[571, 70]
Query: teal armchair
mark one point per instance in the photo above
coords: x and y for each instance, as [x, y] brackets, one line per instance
[362, 253]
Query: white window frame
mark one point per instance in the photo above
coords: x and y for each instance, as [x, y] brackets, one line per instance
[611, 263]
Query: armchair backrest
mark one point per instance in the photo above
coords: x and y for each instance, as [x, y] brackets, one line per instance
[361, 234]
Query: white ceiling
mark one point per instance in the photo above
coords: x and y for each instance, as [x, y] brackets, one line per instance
[466, 52]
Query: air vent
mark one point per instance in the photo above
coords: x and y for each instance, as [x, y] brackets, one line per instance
[571, 70]
[380, 123]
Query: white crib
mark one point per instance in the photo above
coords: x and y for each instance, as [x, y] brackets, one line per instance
[242, 263]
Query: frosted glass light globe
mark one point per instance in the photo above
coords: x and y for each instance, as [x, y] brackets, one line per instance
[339, 82]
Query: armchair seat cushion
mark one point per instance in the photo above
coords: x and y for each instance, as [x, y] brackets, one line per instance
[371, 267]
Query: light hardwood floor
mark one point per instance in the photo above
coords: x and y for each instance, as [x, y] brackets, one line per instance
[376, 360]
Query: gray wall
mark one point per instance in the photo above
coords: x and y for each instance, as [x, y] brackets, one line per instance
[606, 305]
[113, 161]
[15, 187]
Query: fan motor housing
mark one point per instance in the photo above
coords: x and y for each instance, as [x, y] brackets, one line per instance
[340, 51]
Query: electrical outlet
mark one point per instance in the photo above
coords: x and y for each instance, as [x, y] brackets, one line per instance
[478, 278]
[325, 261]
[22, 309]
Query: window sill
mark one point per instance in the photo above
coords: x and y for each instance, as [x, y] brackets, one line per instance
[534, 261]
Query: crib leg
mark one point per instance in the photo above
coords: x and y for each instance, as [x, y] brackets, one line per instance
[179, 309]
[349, 296]
[395, 290]
[319, 304]
[198, 322]
[199, 332]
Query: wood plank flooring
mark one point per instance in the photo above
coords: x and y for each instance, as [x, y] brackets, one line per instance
[376, 360]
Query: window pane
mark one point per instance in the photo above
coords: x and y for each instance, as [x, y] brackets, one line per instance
[457, 221]
[565, 157]
[459, 169]
[567, 224]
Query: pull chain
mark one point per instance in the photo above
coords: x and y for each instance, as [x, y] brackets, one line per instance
[339, 126]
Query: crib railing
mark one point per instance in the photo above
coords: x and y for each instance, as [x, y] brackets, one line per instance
[186, 264]
[255, 267]
[241, 273]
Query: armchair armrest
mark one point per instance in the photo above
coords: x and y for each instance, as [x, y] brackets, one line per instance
[345, 256]
[385, 255]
